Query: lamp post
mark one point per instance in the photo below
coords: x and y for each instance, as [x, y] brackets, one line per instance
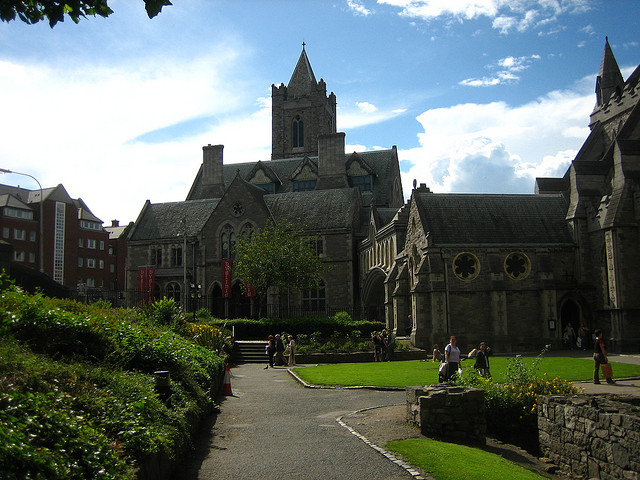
[41, 222]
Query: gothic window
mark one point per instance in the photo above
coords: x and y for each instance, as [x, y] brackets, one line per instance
[297, 132]
[315, 299]
[317, 245]
[517, 266]
[173, 291]
[156, 256]
[228, 243]
[176, 256]
[247, 231]
[466, 266]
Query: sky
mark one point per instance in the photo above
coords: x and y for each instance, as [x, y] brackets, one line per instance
[479, 96]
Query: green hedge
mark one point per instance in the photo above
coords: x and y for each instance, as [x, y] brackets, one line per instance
[245, 329]
[77, 391]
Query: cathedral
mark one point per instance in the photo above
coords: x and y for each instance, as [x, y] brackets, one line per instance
[511, 270]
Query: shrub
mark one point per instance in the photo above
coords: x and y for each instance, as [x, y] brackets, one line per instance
[216, 339]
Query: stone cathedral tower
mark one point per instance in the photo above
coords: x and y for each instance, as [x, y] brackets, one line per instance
[301, 112]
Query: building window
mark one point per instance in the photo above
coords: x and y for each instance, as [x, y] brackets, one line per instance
[364, 182]
[112, 268]
[6, 231]
[176, 256]
[517, 266]
[32, 257]
[156, 256]
[32, 236]
[110, 250]
[314, 300]
[80, 261]
[91, 263]
[228, 241]
[17, 213]
[304, 185]
[91, 282]
[466, 266]
[18, 255]
[267, 187]
[19, 234]
[80, 242]
[173, 291]
[297, 132]
[89, 225]
[101, 244]
[101, 264]
[317, 245]
[58, 242]
[91, 243]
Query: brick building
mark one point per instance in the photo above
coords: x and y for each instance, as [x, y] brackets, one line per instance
[75, 245]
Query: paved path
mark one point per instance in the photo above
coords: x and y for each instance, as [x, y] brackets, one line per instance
[274, 428]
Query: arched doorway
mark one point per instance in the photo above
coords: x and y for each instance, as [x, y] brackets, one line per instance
[240, 306]
[570, 315]
[373, 296]
[216, 302]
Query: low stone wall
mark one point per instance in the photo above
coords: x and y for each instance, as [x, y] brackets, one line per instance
[592, 436]
[448, 412]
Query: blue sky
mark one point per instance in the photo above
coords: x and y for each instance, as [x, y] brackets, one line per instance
[478, 95]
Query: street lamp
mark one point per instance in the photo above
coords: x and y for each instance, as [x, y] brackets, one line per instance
[41, 222]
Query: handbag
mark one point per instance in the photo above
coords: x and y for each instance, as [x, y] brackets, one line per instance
[607, 371]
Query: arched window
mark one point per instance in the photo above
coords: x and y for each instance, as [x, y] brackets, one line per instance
[228, 241]
[315, 299]
[173, 291]
[297, 132]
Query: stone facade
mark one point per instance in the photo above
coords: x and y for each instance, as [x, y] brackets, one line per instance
[591, 436]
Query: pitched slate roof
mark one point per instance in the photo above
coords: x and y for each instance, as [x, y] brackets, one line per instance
[381, 162]
[482, 219]
[7, 200]
[316, 210]
[164, 220]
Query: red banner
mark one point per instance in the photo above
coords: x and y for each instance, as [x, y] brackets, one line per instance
[146, 283]
[248, 290]
[226, 278]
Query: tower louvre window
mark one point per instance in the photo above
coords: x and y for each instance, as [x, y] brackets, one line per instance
[297, 132]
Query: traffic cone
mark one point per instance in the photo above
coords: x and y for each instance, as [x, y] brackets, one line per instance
[226, 388]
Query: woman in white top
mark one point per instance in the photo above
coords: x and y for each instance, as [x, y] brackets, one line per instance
[452, 358]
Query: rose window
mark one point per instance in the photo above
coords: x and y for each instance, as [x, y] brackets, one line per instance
[517, 266]
[466, 266]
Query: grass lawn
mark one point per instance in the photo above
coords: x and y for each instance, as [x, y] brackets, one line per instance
[415, 372]
[449, 461]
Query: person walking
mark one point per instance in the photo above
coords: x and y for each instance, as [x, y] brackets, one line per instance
[279, 360]
[390, 340]
[599, 357]
[291, 346]
[452, 359]
[377, 347]
[270, 350]
[482, 360]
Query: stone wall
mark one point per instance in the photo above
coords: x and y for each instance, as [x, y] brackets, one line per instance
[448, 413]
[592, 436]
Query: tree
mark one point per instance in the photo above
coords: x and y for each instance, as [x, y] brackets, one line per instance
[33, 11]
[279, 256]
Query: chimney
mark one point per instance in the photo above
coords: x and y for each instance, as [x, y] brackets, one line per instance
[332, 172]
[212, 178]
[115, 223]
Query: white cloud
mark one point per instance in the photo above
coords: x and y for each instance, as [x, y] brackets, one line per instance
[506, 15]
[509, 66]
[364, 114]
[358, 8]
[496, 147]
[76, 125]
[366, 107]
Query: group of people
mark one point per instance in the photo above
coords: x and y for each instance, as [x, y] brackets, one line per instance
[581, 340]
[450, 360]
[384, 344]
[276, 351]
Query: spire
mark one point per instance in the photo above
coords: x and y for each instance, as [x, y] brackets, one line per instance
[609, 79]
[302, 78]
